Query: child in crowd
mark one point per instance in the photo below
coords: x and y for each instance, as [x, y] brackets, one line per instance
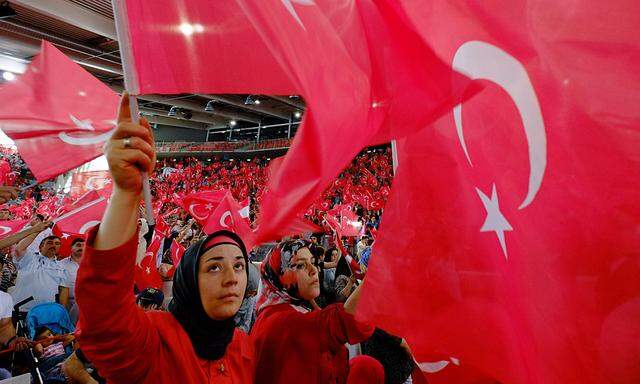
[52, 350]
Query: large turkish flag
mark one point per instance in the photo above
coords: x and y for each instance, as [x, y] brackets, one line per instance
[510, 240]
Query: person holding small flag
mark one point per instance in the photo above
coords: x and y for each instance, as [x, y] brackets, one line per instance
[196, 340]
[295, 343]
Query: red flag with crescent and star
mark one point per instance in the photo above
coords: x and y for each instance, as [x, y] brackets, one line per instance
[176, 251]
[58, 114]
[526, 267]
[228, 215]
[79, 218]
[201, 205]
[10, 227]
[82, 182]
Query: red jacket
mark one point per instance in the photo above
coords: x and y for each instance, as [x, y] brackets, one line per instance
[130, 346]
[295, 347]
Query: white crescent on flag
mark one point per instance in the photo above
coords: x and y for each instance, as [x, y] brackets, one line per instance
[223, 219]
[85, 139]
[86, 226]
[82, 124]
[192, 207]
[437, 366]
[481, 60]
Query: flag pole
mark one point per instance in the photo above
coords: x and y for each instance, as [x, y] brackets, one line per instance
[146, 189]
[130, 84]
[30, 185]
[394, 156]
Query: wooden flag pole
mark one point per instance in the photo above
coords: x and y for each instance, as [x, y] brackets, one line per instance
[119, 12]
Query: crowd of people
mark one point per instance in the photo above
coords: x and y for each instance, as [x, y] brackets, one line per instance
[223, 311]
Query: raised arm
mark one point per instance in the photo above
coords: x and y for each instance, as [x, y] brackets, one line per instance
[23, 245]
[30, 232]
[352, 302]
[119, 222]
[115, 334]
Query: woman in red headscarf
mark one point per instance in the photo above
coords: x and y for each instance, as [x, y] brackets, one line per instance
[296, 344]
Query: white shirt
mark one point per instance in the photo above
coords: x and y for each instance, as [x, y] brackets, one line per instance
[71, 267]
[6, 305]
[360, 247]
[38, 276]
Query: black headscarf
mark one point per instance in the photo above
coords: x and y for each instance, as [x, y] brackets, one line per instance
[209, 337]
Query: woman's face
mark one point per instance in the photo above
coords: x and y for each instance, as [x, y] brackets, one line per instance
[222, 280]
[306, 274]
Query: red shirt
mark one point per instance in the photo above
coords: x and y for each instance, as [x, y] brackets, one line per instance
[127, 345]
[296, 347]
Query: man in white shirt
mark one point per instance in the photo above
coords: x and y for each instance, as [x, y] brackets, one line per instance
[361, 246]
[70, 265]
[39, 273]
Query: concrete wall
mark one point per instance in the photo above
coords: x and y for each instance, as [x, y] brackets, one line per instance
[167, 133]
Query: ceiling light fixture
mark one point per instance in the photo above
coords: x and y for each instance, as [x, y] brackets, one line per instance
[173, 111]
[250, 100]
[209, 106]
[8, 76]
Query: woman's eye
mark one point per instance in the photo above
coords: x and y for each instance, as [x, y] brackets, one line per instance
[239, 267]
[214, 268]
[299, 267]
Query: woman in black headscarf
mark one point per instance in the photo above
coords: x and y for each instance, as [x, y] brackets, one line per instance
[196, 341]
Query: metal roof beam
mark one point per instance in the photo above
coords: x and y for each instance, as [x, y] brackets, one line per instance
[198, 108]
[195, 116]
[29, 46]
[73, 14]
[254, 108]
[296, 103]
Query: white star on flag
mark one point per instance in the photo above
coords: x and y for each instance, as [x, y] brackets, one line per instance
[495, 221]
[65, 235]
[208, 206]
[82, 124]
[148, 271]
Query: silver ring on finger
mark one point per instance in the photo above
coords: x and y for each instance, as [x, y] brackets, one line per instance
[127, 142]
